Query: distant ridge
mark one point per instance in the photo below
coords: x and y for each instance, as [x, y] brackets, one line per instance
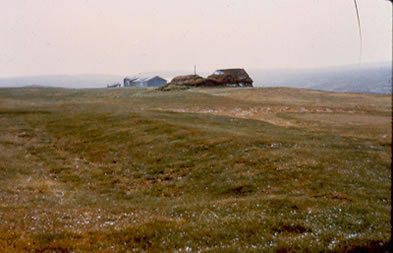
[75, 81]
[62, 81]
[366, 78]
[35, 86]
[375, 78]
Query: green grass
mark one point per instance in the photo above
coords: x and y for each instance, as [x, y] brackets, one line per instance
[195, 170]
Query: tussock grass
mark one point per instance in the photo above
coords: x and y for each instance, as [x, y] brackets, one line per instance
[195, 170]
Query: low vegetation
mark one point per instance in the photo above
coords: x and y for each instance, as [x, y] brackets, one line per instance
[209, 170]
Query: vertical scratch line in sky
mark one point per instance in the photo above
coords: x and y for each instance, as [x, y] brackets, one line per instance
[360, 30]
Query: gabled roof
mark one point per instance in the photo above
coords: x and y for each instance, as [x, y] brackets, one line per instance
[142, 77]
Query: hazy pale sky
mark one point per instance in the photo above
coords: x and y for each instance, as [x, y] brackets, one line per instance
[39, 37]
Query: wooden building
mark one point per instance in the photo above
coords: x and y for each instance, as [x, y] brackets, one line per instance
[144, 81]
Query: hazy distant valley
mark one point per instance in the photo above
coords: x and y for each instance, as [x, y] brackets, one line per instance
[366, 78]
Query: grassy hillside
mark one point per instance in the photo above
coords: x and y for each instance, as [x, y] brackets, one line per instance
[230, 169]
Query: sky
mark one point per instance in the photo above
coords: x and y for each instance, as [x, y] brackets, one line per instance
[50, 37]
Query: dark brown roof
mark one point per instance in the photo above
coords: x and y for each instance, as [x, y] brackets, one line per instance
[222, 77]
[231, 76]
[192, 80]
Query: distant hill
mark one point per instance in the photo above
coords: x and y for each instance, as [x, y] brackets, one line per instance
[366, 78]
[77, 81]
[65, 81]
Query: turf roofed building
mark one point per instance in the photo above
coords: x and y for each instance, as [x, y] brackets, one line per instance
[231, 77]
[220, 78]
[144, 81]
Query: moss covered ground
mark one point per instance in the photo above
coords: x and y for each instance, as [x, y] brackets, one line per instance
[199, 170]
